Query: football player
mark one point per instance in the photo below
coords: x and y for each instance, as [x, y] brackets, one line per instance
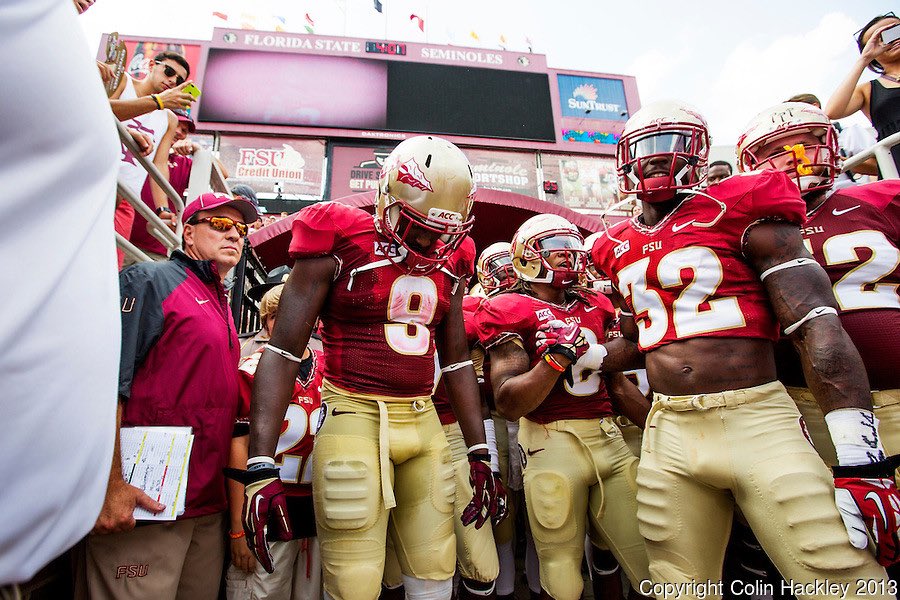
[854, 233]
[298, 568]
[543, 337]
[476, 550]
[389, 293]
[709, 279]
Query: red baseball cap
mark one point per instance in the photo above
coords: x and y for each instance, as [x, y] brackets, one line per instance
[185, 117]
[211, 200]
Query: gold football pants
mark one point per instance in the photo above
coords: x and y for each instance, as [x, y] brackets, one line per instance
[372, 452]
[702, 454]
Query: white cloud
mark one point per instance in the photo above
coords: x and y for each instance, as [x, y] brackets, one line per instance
[754, 77]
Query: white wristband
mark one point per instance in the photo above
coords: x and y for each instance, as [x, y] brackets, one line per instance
[257, 460]
[491, 437]
[593, 358]
[477, 447]
[854, 432]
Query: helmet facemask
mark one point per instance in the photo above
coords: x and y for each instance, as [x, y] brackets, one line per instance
[496, 272]
[400, 221]
[552, 244]
[657, 161]
[812, 167]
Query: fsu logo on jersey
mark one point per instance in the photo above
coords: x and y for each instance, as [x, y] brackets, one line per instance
[410, 174]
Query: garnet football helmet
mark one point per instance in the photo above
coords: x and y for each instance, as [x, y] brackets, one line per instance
[426, 189]
[495, 270]
[664, 148]
[812, 167]
[537, 240]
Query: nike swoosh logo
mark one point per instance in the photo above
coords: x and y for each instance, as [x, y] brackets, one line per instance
[256, 502]
[877, 500]
[677, 228]
[587, 310]
[838, 213]
[819, 311]
[200, 302]
[335, 412]
[533, 452]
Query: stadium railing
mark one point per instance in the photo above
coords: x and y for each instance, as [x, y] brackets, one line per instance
[881, 150]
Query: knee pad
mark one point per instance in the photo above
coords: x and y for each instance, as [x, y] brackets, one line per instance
[427, 589]
[352, 582]
[561, 576]
[549, 501]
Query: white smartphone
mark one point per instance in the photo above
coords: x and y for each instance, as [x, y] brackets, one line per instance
[891, 34]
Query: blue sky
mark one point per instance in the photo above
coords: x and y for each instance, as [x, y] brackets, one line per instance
[730, 60]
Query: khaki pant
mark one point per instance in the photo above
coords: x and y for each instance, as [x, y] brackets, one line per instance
[297, 576]
[476, 553]
[702, 454]
[578, 471]
[370, 453]
[158, 561]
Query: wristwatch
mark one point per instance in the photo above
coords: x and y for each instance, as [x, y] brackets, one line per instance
[162, 209]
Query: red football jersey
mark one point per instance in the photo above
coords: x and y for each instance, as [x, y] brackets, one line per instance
[637, 376]
[301, 420]
[440, 397]
[376, 313]
[579, 393]
[855, 236]
[686, 276]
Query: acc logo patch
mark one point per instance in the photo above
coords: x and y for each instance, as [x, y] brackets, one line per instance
[622, 248]
[544, 314]
[410, 174]
[389, 249]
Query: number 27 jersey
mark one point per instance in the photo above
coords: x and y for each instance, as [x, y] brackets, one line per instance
[686, 276]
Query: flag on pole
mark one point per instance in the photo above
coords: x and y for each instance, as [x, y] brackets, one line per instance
[280, 23]
[378, 6]
[310, 24]
[420, 22]
[474, 36]
[502, 42]
[528, 41]
[222, 16]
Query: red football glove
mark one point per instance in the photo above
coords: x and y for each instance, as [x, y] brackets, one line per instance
[484, 500]
[869, 503]
[502, 501]
[263, 498]
[557, 337]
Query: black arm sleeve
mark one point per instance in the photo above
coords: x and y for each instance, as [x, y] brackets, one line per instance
[143, 288]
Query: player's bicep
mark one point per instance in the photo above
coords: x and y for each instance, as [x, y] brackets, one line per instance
[508, 360]
[794, 282]
[301, 302]
[450, 333]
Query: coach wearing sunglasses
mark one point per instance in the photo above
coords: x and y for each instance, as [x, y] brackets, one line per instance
[178, 367]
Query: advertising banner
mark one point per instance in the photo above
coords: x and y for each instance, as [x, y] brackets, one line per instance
[505, 171]
[141, 53]
[275, 165]
[594, 98]
[355, 169]
[586, 184]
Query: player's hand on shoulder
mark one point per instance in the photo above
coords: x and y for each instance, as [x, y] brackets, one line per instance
[117, 514]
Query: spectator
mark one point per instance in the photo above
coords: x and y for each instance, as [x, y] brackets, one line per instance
[718, 170]
[251, 342]
[298, 567]
[178, 368]
[247, 192]
[180, 165]
[878, 99]
[142, 105]
[59, 334]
